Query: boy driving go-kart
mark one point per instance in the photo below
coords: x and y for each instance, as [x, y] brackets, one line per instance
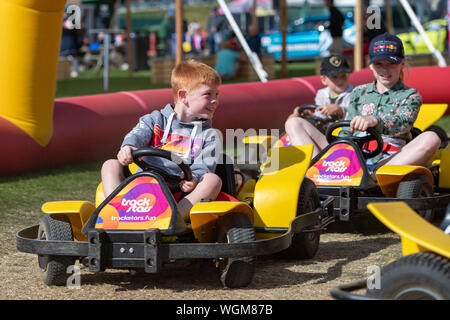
[183, 128]
[331, 102]
[142, 221]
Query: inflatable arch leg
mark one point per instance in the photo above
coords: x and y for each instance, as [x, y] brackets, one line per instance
[30, 33]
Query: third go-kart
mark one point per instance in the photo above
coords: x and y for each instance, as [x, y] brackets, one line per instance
[138, 226]
[422, 273]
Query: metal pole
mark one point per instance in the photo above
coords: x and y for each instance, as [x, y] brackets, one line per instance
[129, 44]
[106, 42]
[253, 57]
[389, 21]
[283, 17]
[358, 50]
[436, 53]
[179, 31]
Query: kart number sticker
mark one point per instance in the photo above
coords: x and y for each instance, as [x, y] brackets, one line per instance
[338, 166]
[140, 205]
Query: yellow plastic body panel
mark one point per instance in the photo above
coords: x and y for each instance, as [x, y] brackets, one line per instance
[444, 168]
[389, 176]
[204, 216]
[277, 191]
[31, 35]
[78, 213]
[429, 114]
[416, 233]
[336, 131]
[264, 140]
[99, 195]
[133, 168]
[248, 191]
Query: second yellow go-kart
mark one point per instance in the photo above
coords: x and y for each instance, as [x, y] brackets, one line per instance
[138, 225]
[340, 170]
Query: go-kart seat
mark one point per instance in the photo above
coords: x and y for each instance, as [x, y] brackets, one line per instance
[225, 171]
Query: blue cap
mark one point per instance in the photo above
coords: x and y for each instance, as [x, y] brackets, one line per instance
[386, 47]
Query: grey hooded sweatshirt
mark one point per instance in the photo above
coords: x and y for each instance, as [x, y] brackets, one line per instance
[195, 142]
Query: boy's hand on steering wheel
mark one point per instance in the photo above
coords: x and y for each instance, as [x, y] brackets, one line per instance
[330, 109]
[361, 123]
[124, 156]
[188, 185]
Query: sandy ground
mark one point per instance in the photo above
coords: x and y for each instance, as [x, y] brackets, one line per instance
[345, 254]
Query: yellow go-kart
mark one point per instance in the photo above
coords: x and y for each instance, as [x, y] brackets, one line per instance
[138, 226]
[340, 170]
[423, 273]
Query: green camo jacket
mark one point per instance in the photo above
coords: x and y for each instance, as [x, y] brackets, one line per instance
[396, 110]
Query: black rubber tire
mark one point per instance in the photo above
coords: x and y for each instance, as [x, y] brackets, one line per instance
[417, 186]
[54, 268]
[419, 276]
[305, 244]
[445, 224]
[236, 228]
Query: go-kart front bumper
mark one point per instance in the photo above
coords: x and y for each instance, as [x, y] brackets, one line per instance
[349, 200]
[346, 291]
[145, 249]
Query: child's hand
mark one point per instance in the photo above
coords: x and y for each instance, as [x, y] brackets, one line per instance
[361, 123]
[124, 156]
[330, 109]
[188, 185]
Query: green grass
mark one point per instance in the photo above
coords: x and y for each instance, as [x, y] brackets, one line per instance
[444, 123]
[22, 196]
[91, 82]
[297, 69]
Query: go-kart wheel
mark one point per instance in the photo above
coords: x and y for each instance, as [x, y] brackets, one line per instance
[372, 135]
[419, 276]
[304, 245]
[54, 268]
[154, 152]
[235, 228]
[417, 186]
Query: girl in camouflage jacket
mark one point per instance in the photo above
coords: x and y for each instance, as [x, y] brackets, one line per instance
[386, 104]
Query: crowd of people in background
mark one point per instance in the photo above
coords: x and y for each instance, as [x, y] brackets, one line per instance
[215, 39]
[202, 41]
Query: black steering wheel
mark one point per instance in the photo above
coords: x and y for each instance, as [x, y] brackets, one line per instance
[154, 152]
[372, 134]
[310, 108]
[306, 107]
